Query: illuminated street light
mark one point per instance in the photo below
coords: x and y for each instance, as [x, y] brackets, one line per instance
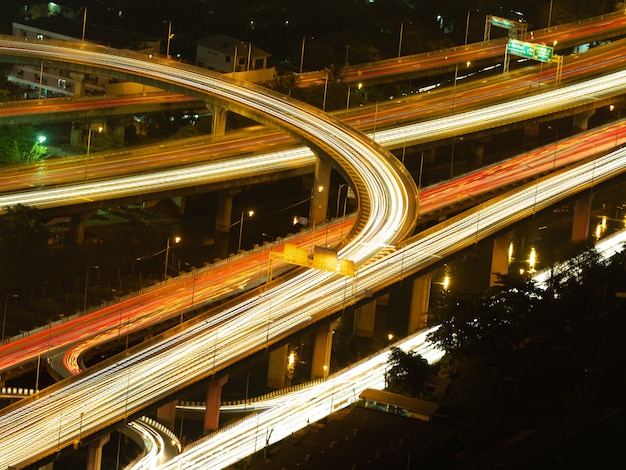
[250, 214]
[4, 317]
[167, 254]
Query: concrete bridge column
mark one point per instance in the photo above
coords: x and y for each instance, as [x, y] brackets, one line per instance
[429, 155]
[79, 84]
[213, 401]
[582, 216]
[277, 367]
[180, 202]
[364, 319]
[76, 135]
[77, 228]
[94, 452]
[219, 119]
[47, 466]
[531, 134]
[116, 129]
[581, 120]
[319, 193]
[166, 414]
[476, 154]
[500, 257]
[223, 219]
[420, 299]
[321, 351]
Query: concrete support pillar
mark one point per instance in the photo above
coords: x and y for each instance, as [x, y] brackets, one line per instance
[213, 401]
[180, 202]
[420, 300]
[166, 414]
[77, 228]
[319, 193]
[79, 84]
[94, 452]
[76, 135]
[47, 466]
[582, 216]
[321, 351]
[364, 318]
[477, 152]
[223, 220]
[277, 367]
[581, 120]
[429, 155]
[219, 119]
[500, 257]
[531, 134]
[117, 130]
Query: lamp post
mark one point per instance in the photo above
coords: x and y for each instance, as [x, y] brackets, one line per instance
[347, 50]
[250, 214]
[556, 140]
[169, 37]
[302, 52]
[341, 186]
[4, 317]
[400, 39]
[456, 68]
[40, 79]
[550, 14]
[86, 285]
[84, 22]
[325, 90]
[167, 254]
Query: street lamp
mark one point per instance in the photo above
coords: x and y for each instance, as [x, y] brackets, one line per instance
[347, 50]
[341, 186]
[400, 40]
[86, 285]
[556, 139]
[250, 214]
[84, 22]
[302, 53]
[4, 317]
[550, 14]
[325, 90]
[456, 68]
[167, 254]
[169, 37]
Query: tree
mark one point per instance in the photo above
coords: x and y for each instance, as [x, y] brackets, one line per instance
[406, 372]
[475, 325]
[19, 144]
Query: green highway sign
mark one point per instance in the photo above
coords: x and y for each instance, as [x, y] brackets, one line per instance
[530, 50]
[503, 22]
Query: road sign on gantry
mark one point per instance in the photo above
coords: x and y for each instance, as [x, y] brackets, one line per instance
[530, 50]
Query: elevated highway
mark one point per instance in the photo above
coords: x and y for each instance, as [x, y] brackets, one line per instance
[387, 209]
[265, 326]
[473, 110]
[125, 383]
